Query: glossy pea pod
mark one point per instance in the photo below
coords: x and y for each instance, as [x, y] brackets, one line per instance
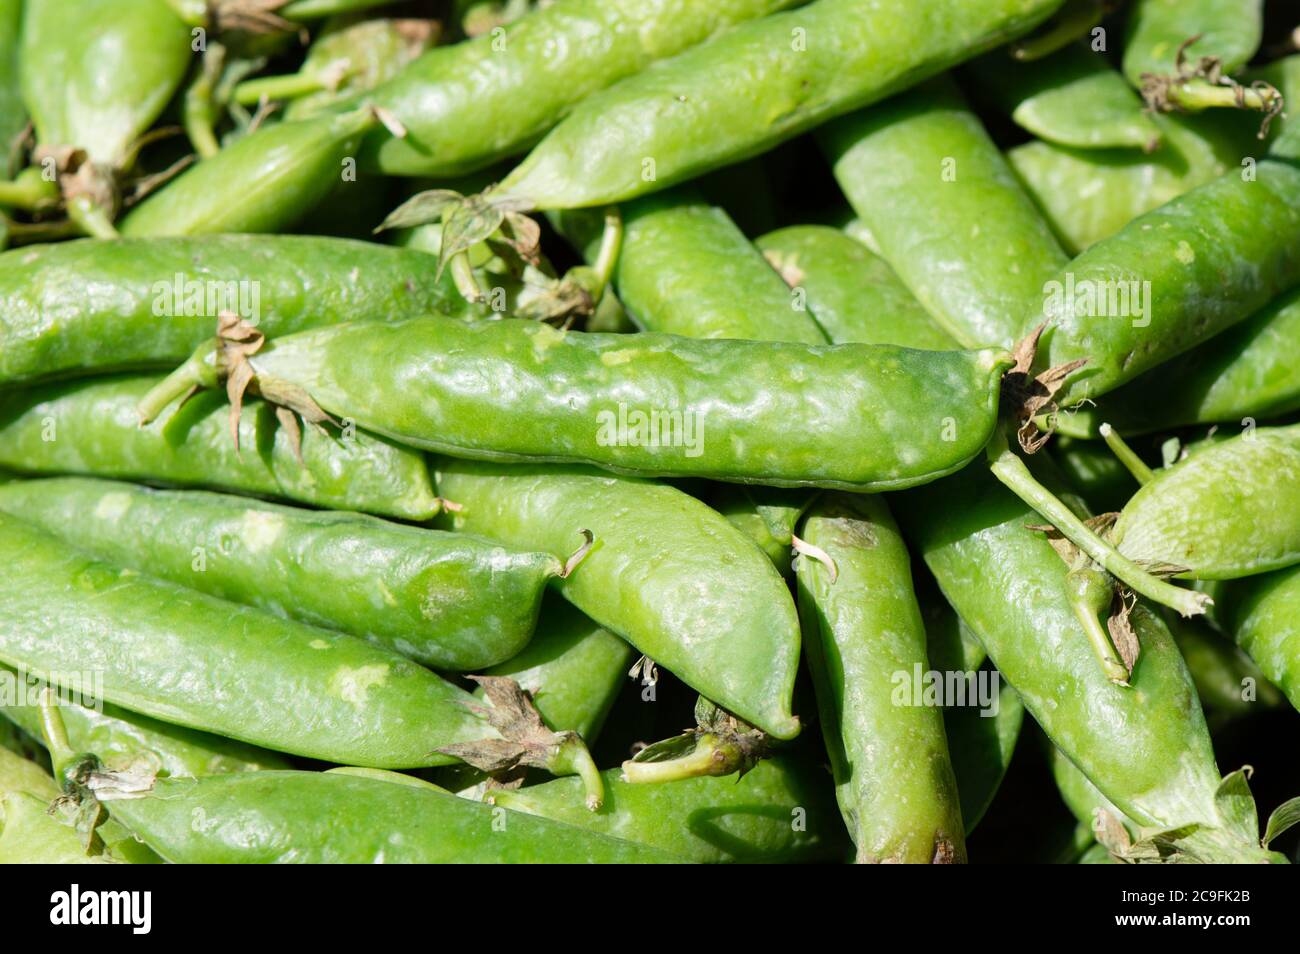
[189, 658]
[894, 780]
[1145, 746]
[450, 601]
[1261, 614]
[92, 428]
[339, 818]
[520, 390]
[97, 73]
[1245, 373]
[945, 211]
[700, 110]
[1090, 194]
[665, 572]
[127, 737]
[776, 812]
[1173, 278]
[1072, 98]
[852, 293]
[1228, 682]
[13, 113]
[264, 182]
[1219, 514]
[767, 515]
[684, 268]
[29, 834]
[467, 105]
[89, 305]
[573, 668]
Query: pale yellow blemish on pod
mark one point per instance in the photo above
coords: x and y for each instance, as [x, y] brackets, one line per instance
[611, 359]
[259, 529]
[112, 507]
[319, 644]
[544, 338]
[1185, 253]
[352, 685]
[387, 594]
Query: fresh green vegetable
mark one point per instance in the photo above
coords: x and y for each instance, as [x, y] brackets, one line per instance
[450, 601]
[669, 575]
[865, 638]
[1262, 614]
[774, 813]
[13, 114]
[701, 109]
[92, 427]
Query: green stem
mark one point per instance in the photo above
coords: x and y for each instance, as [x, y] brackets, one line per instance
[572, 757]
[1082, 590]
[1195, 95]
[711, 755]
[198, 371]
[611, 244]
[291, 86]
[55, 733]
[198, 110]
[91, 218]
[1072, 23]
[315, 9]
[1011, 471]
[1125, 455]
[29, 191]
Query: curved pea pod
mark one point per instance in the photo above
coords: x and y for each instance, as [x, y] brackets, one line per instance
[1145, 747]
[1172, 279]
[697, 111]
[337, 818]
[647, 405]
[573, 668]
[776, 812]
[188, 658]
[1098, 818]
[467, 105]
[1219, 514]
[1246, 372]
[449, 601]
[946, 211]
[1262, 614]
[72, 307]
[1229, 30]
[767, 515]
[97, 73]
[1072, 98]
[686, 269]
[865, 643]
[13, 113]
[1090, 194]
[264, 182]
[128, 737]
[853, 293]
[665, 572]
[92, 428]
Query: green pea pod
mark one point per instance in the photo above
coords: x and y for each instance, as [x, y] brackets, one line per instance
[97, 73]
[946, 211]
[776, 812]
[1262, 614]
[865, 636]
[1216, 515]
[767, 515]
[92, 428]
[264, 182]
[1227, 681]
[127, 737]
[1145, 747]
[1072, 98]
[698, 111]
[854, 295]
[1247, 372]
[686, 269]
[336, 818]
[666, 573]
[467, 105]
[574, 669]
[893, 402]
[449, 601]
[347, 57]
[1173, 278]
[91, 305]
[1090, 194]
[1229, 30]
[13, 113]
[1094, 811]
[198, 661]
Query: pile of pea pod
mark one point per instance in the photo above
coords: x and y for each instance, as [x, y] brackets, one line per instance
[673, 431]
